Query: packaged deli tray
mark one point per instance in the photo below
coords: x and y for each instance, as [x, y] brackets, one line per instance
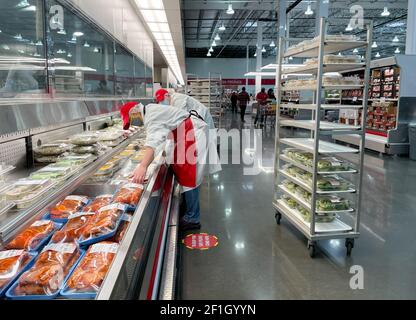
[51, 149]
[74, 227]
[48, 274]
[86, 279]
[129, 194]
[84, 139]
[69, 205]
[24, 192]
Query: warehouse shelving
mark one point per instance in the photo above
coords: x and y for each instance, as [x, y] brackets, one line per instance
[318, 129]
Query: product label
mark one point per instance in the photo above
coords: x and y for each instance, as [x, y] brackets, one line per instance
[334, 182]
[31, 182]
[61, 247]
[133, 186]
[117, 206]
[10, 253]
[80, 214]
[104, 247]
[104, 196]
[84, 200]
[127, 217]
[40, 223]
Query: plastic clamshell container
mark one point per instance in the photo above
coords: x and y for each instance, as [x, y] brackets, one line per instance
[105, 170]
[25, 192]
[51, 149]
[84, 139]
[10, 292]
[102, 237]
[25, 268]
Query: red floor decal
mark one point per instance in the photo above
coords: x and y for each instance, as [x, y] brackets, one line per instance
[200, 241]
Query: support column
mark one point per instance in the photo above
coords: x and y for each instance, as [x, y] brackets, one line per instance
[247, 64]
[411, 26]
[259, 55]
[282, 32]
[322, 11]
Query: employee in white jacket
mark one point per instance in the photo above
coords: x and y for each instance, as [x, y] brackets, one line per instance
[188, 133]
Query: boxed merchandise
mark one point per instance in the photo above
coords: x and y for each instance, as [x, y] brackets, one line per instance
[73, 229]
[87, 278]
[33, 236]
[67, 206]
[46, 277]
[103, 224]
[129, 194]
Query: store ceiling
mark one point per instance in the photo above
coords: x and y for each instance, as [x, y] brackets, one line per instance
[202, 18]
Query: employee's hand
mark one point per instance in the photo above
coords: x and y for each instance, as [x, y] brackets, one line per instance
[139, 174]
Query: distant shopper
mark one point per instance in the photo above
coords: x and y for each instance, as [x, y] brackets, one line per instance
[271, 95]
[234, 99]
[261, 98]
[243, 99]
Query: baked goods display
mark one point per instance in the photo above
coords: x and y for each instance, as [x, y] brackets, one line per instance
[92, 269]
[69, 205]
[47, 275]
[129, 194]
[31, 237]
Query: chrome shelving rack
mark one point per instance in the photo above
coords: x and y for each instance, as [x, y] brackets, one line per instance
[337, 229]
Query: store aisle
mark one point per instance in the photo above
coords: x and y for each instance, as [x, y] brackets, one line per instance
[256, 259]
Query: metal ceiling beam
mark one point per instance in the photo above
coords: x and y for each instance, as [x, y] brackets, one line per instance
[293, 6]
[214, 24]
[201, 15]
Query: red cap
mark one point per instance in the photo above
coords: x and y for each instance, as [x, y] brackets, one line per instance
[160, 95]
[124, 112]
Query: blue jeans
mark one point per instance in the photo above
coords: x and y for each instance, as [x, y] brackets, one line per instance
[192, 213]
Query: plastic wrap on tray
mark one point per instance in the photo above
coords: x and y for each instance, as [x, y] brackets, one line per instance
[121, 231]
[332, 203]
[52, 175]
[85, 149]
[49, 159]
[332, 183]
[51, 149]
[69, 205]
[92, 269]
[32, 236]
[129, 194]
[325, 164]
[12, 262]
[47, 275]
[73, 229]
[84, 139]
[290, 202]
[306, 215]
[26, 188]
[104, 223]
[98, 203]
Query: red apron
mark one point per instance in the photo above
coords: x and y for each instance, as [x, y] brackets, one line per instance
[185, 170]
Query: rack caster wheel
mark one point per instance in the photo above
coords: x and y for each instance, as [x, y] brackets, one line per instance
[312, 249]
[278, 217]
[349, 244]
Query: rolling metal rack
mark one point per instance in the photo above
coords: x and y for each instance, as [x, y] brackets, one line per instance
[340, 227]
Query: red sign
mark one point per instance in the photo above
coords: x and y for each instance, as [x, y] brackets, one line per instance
[200, 241]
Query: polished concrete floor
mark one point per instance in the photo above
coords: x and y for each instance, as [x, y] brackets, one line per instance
[257, 259]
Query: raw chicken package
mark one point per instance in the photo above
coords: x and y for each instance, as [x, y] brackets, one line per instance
[129, 194]
[89, 274]
[103, 225]
[98, 203]
[46, 277]
[121, 231]
[33, 237]
[69, 205]
[73, 229]
[12, 263]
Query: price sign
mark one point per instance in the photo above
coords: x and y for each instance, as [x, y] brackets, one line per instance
[200, 241]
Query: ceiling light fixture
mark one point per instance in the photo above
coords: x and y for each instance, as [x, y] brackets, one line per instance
[349, 28]
[290, 58]
[5, 47]
[21, 51]
[355, 50]
[378, 55]
[397, 51]
[309, 10]
[62, 31]
[23, 4]
[86, 44]
[18, 37]
[374, 45]
[39, 43]
[255, 54]
[69, 55]
[396, 39]
[385, 12]
[217, 37]
[29, 8]
[96, 49]
[60, 51]
[272, 44]
[263, 49]
[209, 54]
[230, 9]
[78, 34]
[222, 28]
[214, 44]
[36, 54]
[211, 50]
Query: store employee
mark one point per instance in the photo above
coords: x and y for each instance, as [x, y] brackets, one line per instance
[188, 132]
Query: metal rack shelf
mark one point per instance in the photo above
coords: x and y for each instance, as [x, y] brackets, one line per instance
[315, 231]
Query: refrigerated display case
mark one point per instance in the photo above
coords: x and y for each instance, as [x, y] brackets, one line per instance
[143, 267]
